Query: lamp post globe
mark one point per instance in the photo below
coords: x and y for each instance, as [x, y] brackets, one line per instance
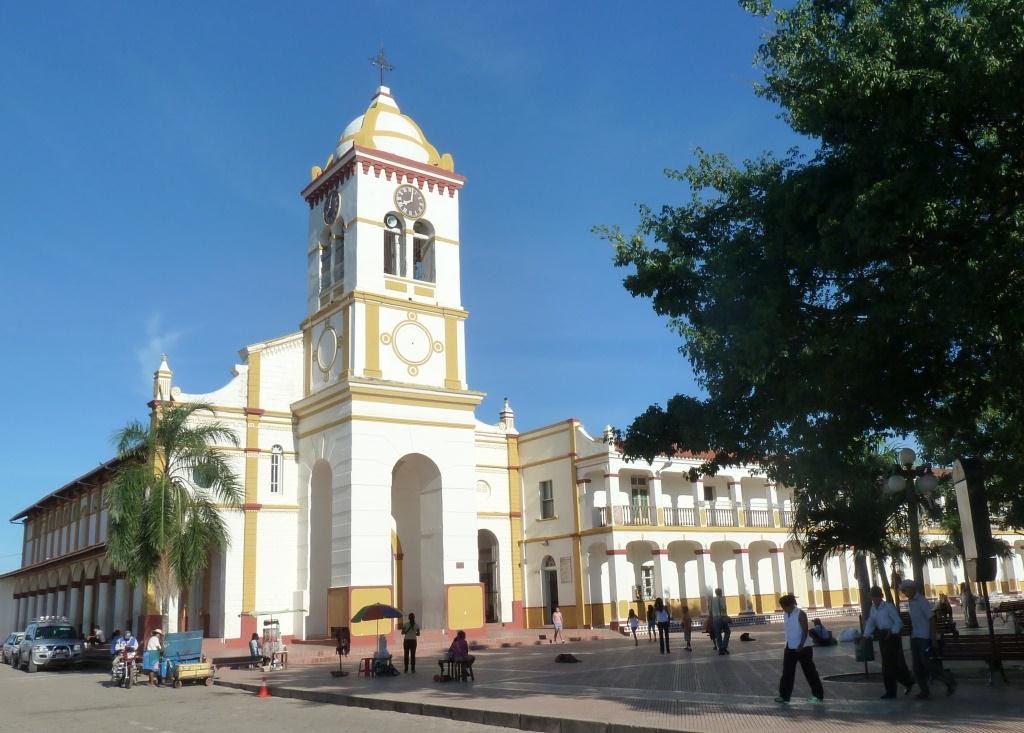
[926, 483]
[895, 484]
[907, 456]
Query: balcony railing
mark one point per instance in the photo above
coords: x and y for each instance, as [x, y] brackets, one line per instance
[716, 516]
[681, 517]
[759, 518]
[719, 516]
[637, 515]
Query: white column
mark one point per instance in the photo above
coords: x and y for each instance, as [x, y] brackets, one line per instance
[19, 606]
[61, 607]
[709, 572]
[654, 482]
[87, 596]
[102, 608]
[30, 610]
[698, 497]
[742, 556]
[779, 570]
[663, 579]
[51, 603]
[120, 607]
[613, 588]
[74, 614]
[624, 577]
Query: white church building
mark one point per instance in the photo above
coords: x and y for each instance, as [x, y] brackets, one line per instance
[369, 477]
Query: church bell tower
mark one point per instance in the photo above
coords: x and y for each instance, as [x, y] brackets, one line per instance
[385, 428]
[384, 298]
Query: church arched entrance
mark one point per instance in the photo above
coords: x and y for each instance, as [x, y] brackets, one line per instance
[418, 577]
[549, 586]
[487, 554]
[321, 509]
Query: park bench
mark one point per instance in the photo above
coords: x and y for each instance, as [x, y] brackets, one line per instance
[943, 627]
[452, 669]
[979, 647]
[1012, 610]
[243, 662]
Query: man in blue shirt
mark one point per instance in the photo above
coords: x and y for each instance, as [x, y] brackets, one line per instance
[922, 630]
[884, 624]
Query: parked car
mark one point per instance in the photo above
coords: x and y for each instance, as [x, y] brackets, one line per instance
[50, 641]
[11, 644]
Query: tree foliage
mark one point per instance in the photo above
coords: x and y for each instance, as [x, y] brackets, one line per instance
[873, 285]
[165, 497]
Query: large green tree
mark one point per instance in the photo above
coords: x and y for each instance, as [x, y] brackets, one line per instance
[165, 499]
[874, 283]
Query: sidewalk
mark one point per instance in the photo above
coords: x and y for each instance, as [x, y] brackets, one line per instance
[618, 687]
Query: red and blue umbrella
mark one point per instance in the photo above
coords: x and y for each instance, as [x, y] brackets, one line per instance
[376, 612]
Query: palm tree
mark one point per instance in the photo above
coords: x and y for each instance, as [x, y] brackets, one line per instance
[839, 507]
[166, 496]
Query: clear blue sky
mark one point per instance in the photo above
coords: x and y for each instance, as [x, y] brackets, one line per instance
[153, 156]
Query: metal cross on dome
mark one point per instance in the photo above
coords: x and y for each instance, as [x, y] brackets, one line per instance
[381, 61]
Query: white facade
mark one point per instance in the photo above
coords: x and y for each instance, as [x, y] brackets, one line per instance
[368, 477]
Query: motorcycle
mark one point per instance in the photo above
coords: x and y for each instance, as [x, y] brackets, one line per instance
[126, 670]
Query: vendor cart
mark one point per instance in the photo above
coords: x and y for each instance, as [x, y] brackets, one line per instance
[183, 659]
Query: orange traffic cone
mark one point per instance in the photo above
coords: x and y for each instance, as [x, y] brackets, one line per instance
[264, 690]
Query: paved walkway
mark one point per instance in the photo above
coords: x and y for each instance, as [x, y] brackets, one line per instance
[619, 687]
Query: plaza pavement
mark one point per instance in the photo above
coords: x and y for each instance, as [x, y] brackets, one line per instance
[619, 688]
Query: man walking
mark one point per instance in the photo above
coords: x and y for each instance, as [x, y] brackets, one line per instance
[922, 630]
[885, 625]
[797, 651]
[719, 622]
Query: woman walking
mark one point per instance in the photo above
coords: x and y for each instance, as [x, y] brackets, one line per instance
[410, 630]
[651, 625]
[634, 624]
[663, 619]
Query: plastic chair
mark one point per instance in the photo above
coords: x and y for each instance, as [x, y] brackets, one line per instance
[365, 667]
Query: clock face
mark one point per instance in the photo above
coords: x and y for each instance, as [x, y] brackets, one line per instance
[331, 207]
[410, 201]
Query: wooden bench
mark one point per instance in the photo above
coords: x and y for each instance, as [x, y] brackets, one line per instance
[1012, 611]
[246, 662]
[978, 647]
[944, 627]
[453, 669]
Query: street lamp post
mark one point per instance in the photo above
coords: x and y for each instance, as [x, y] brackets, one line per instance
[913, 480]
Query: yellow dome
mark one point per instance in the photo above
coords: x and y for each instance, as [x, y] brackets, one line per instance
[383, 127]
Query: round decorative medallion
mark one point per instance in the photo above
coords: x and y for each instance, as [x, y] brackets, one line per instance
[412, 342]
[327, 349]
[483, 489]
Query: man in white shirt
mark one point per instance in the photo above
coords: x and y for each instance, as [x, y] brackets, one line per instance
[922, 629]
[885, 625]
[794, 623]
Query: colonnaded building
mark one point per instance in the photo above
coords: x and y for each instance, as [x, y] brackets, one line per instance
[369, 478]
